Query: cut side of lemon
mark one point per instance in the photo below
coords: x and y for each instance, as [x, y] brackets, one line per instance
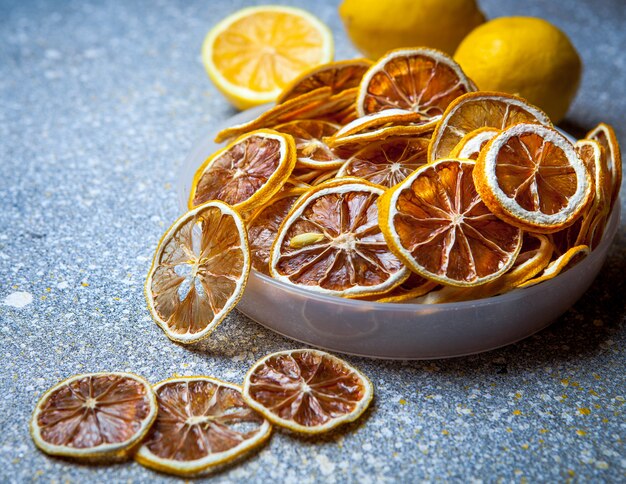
[436, 223]
[94, 416]
[330, 242]
[199, 272]
[307, 391]
[202, 422]
[247, 173]
[253, 54]
[531, 176]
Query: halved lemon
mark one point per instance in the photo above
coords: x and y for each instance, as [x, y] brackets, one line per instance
[199, 272]
[202, 422]
[254, 53]
[330, 242]
[436, 223]
[307, 391]
[94, 416]
[247, 173]
[531, 176]
[478, 110]
[421, 80]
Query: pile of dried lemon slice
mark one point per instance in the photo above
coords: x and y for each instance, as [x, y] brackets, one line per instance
[390, 181]
[189, 425]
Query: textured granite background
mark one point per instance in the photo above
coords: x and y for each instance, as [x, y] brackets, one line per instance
[99, 104]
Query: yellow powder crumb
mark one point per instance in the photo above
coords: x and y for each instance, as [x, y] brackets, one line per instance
[524, 446]
[541, 441]
[575, 384]
[605, 420]
[594, 393]
[185, 365]
[570, 472]
[518, 395]
[596, 406]
[509, 429]
[543, 431]
[564, 397]
[116, 298]
[84, 284]
[43, 298]
[48, 289]
[402, 401]
[584, 411]
[565, 382]
[581, 433]
[517, 412]
[445, 432]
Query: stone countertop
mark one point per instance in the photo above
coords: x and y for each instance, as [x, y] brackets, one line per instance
[99, 104]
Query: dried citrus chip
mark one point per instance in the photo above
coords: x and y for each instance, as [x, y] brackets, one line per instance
[414, 287]
[477, 110]
[199, 272]
[312, 152]
[533, 257]
[263, 226]
[307, 391]
[556, 267]
[339, 108]
[282, 113]
[421, 80]
[531, 176]
[94, 416]
[470, 145]
[352, 259]
[387, 162]
[202, 422]
[338, 75]
[254, 53]
[247, 173]
[436, 223]
[605, 135]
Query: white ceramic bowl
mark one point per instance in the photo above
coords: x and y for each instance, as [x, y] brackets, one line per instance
[403, 331]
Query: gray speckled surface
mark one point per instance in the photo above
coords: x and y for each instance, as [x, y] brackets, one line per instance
[99, 104]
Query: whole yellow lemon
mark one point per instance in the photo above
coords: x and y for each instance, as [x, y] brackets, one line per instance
[377, 26]
[526, 56]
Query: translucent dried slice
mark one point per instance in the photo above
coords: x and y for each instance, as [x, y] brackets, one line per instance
[387, 162]
[330, 242]
[470, 145]
[605, 135]
[263, 227]
[414, 287]
[202, 422]
[421, 80]
[563, 263]
[199, 272]
[338, 75]
[247, 173]
[308, 136]
[437, 224]
[307, 391]
[94, 416]
[532, 177]
[477, 110]
[279, 114]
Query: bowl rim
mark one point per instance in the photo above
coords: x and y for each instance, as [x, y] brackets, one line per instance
[201, 146]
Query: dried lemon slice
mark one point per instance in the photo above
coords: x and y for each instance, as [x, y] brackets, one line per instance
[330, 242]
[477, 110]
[605, 135]
[556, 267]
[421, 80]
[338, 75]
[387, 162]
[263, 226]
[94, 416]
[202, 422]
[470, 145]
[199, 272]
[532, 177]
[247, 173]
[436, 223]
[312, 151]
[307, 391]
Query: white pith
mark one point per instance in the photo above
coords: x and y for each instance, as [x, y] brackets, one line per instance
[473, 145]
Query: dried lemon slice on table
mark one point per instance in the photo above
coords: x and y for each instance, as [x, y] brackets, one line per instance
[199, 272]
[421, 80]
[247, 173]
[330, 242]
[202, 422]
[253, 54]
[94, 416]
[478, 110]
[531, 176]
[307, 391]
[438, 225]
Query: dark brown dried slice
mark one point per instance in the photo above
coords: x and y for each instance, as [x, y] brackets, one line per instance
[312, 151]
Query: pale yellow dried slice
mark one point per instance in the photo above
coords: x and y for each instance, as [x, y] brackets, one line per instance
[605, 135]
[199, 272]
[436, 223]
[477, 110]
[330, 242]
[556, 267]
[307, 391]
[421, 80]
[246, 173]
[202, 422]
[94, 416]
[531, 176]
